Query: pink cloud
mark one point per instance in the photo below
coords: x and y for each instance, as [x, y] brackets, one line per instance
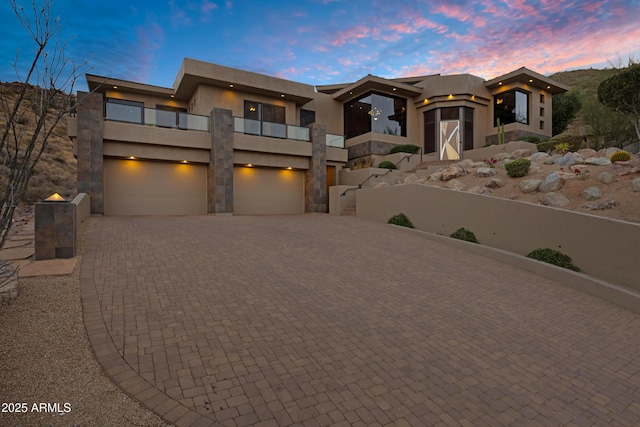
[350, 35]
[208, 6]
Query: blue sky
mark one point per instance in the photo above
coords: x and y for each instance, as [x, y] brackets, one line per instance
[334, 41]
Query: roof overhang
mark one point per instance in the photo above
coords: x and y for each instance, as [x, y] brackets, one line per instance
[531, 78]
[194, 73]
[101, 84]
[372, 83]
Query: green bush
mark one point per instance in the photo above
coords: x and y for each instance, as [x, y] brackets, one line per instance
[405, 148]
[574, 141]
[620, 156]
[464, 234]
[401, 220]
[554, 257]
[387, 165]
[546, 146]
[530, 138]
[518, 168]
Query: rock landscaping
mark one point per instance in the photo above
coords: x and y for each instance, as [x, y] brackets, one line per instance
[559, 180]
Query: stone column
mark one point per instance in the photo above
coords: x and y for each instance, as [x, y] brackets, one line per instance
[220, 173]
[315, 195]
[90, 151]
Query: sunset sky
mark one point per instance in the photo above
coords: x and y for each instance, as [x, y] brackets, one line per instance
[334, 41]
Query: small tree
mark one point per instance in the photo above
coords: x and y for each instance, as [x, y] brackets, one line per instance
[565, 108]
[607, 127]
[622, 93]
[31, 110]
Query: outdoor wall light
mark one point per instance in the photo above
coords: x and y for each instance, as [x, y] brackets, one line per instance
[231, 85]
[184, 161]
[131, 158]
[249, 165]
[115, 87]
[55, 197]
[289, 168]
[499, 83]
[282, 96]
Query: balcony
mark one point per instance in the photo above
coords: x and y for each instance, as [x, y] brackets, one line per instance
[281, 131]
[133, 112]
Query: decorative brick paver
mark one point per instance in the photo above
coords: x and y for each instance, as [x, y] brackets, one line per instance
[320, 320]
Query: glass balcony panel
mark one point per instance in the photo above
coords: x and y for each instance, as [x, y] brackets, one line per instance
[124, 113]
[248, 126]
[193, 122]
[166, 119]
[274, 130]
[335, 140]
[297, 133]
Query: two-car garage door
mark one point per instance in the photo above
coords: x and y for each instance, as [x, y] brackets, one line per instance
[137, 187]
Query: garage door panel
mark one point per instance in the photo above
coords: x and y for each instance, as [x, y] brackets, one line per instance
[136, 187]
[264, 191]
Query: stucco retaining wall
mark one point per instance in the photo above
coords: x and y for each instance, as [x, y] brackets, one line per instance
[603, 248]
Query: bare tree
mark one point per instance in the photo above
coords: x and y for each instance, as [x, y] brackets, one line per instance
[32, 107]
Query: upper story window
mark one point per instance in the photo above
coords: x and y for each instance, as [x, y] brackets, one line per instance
[124, 111]
[170, 117]
[307, 117]
[375, 113]
[264, 119]
[511, 107]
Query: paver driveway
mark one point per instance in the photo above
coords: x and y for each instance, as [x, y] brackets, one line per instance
[323, 320]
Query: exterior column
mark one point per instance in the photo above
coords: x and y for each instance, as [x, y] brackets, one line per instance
[90, 150]
[220, 173]
[315, 195]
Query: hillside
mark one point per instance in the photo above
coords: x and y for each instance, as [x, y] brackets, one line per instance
[56, 170]
[586, 80]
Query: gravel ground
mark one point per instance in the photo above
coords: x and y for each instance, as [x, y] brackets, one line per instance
[45, 357]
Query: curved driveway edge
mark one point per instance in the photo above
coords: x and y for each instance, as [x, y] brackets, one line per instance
[321, 320]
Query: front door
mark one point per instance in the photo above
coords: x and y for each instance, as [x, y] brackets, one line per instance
[449, 139]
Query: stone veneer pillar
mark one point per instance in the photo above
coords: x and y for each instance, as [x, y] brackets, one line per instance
[90, 151]
[220, 173]
[315, 195]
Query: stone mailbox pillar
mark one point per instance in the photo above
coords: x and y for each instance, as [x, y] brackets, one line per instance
[55, 228]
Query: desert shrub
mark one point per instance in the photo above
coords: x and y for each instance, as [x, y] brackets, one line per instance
[387, 165]
[545, 146]
[401, 220]
[620, 156]
[464, 234]
[362, 163]
[574, 141]
[518, 168]
[554, 257]
[530, 138]
[562, 147]
[405, 148]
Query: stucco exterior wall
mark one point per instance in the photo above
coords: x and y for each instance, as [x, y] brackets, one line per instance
[603, 248]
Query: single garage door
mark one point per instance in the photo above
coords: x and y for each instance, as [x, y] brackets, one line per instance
[138, 187]
[267, 191]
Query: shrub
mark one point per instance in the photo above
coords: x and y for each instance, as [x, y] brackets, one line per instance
[574, 141]
[405, 148]
[554, 257]
[562, 147]
[401, 220]
[545, 146]
[530, 138]
[387, 165]
[464, 234]
[518, 168]
[620, 156]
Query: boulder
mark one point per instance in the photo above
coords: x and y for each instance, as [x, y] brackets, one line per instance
[605, 178]
[587, 153]
[551, 160]
[479, 189]
[435, 177]
[465, 164]
[635, 184]
[382, 184]
[552, 182]
[495, 183]
[504, 156]
[607, 152]
[569, 159]
[453, 171]
[601, 206]
[554, 200]
[522, 152]
[454, 184]
[591, 193]
[536, 157]
[477, 165]
[529, 185]
[411, 179]
[485, 172]
[600, 161]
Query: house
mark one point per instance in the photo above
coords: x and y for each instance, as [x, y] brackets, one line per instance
[223, 140]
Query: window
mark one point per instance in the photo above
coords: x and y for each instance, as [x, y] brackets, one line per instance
[124, 111]
[169, 117]
[264, 119]
[307, 117]
[542, 98]
[376, 113]
[511, 107]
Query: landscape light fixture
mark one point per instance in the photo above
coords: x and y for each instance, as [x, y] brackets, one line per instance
[55, 197]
